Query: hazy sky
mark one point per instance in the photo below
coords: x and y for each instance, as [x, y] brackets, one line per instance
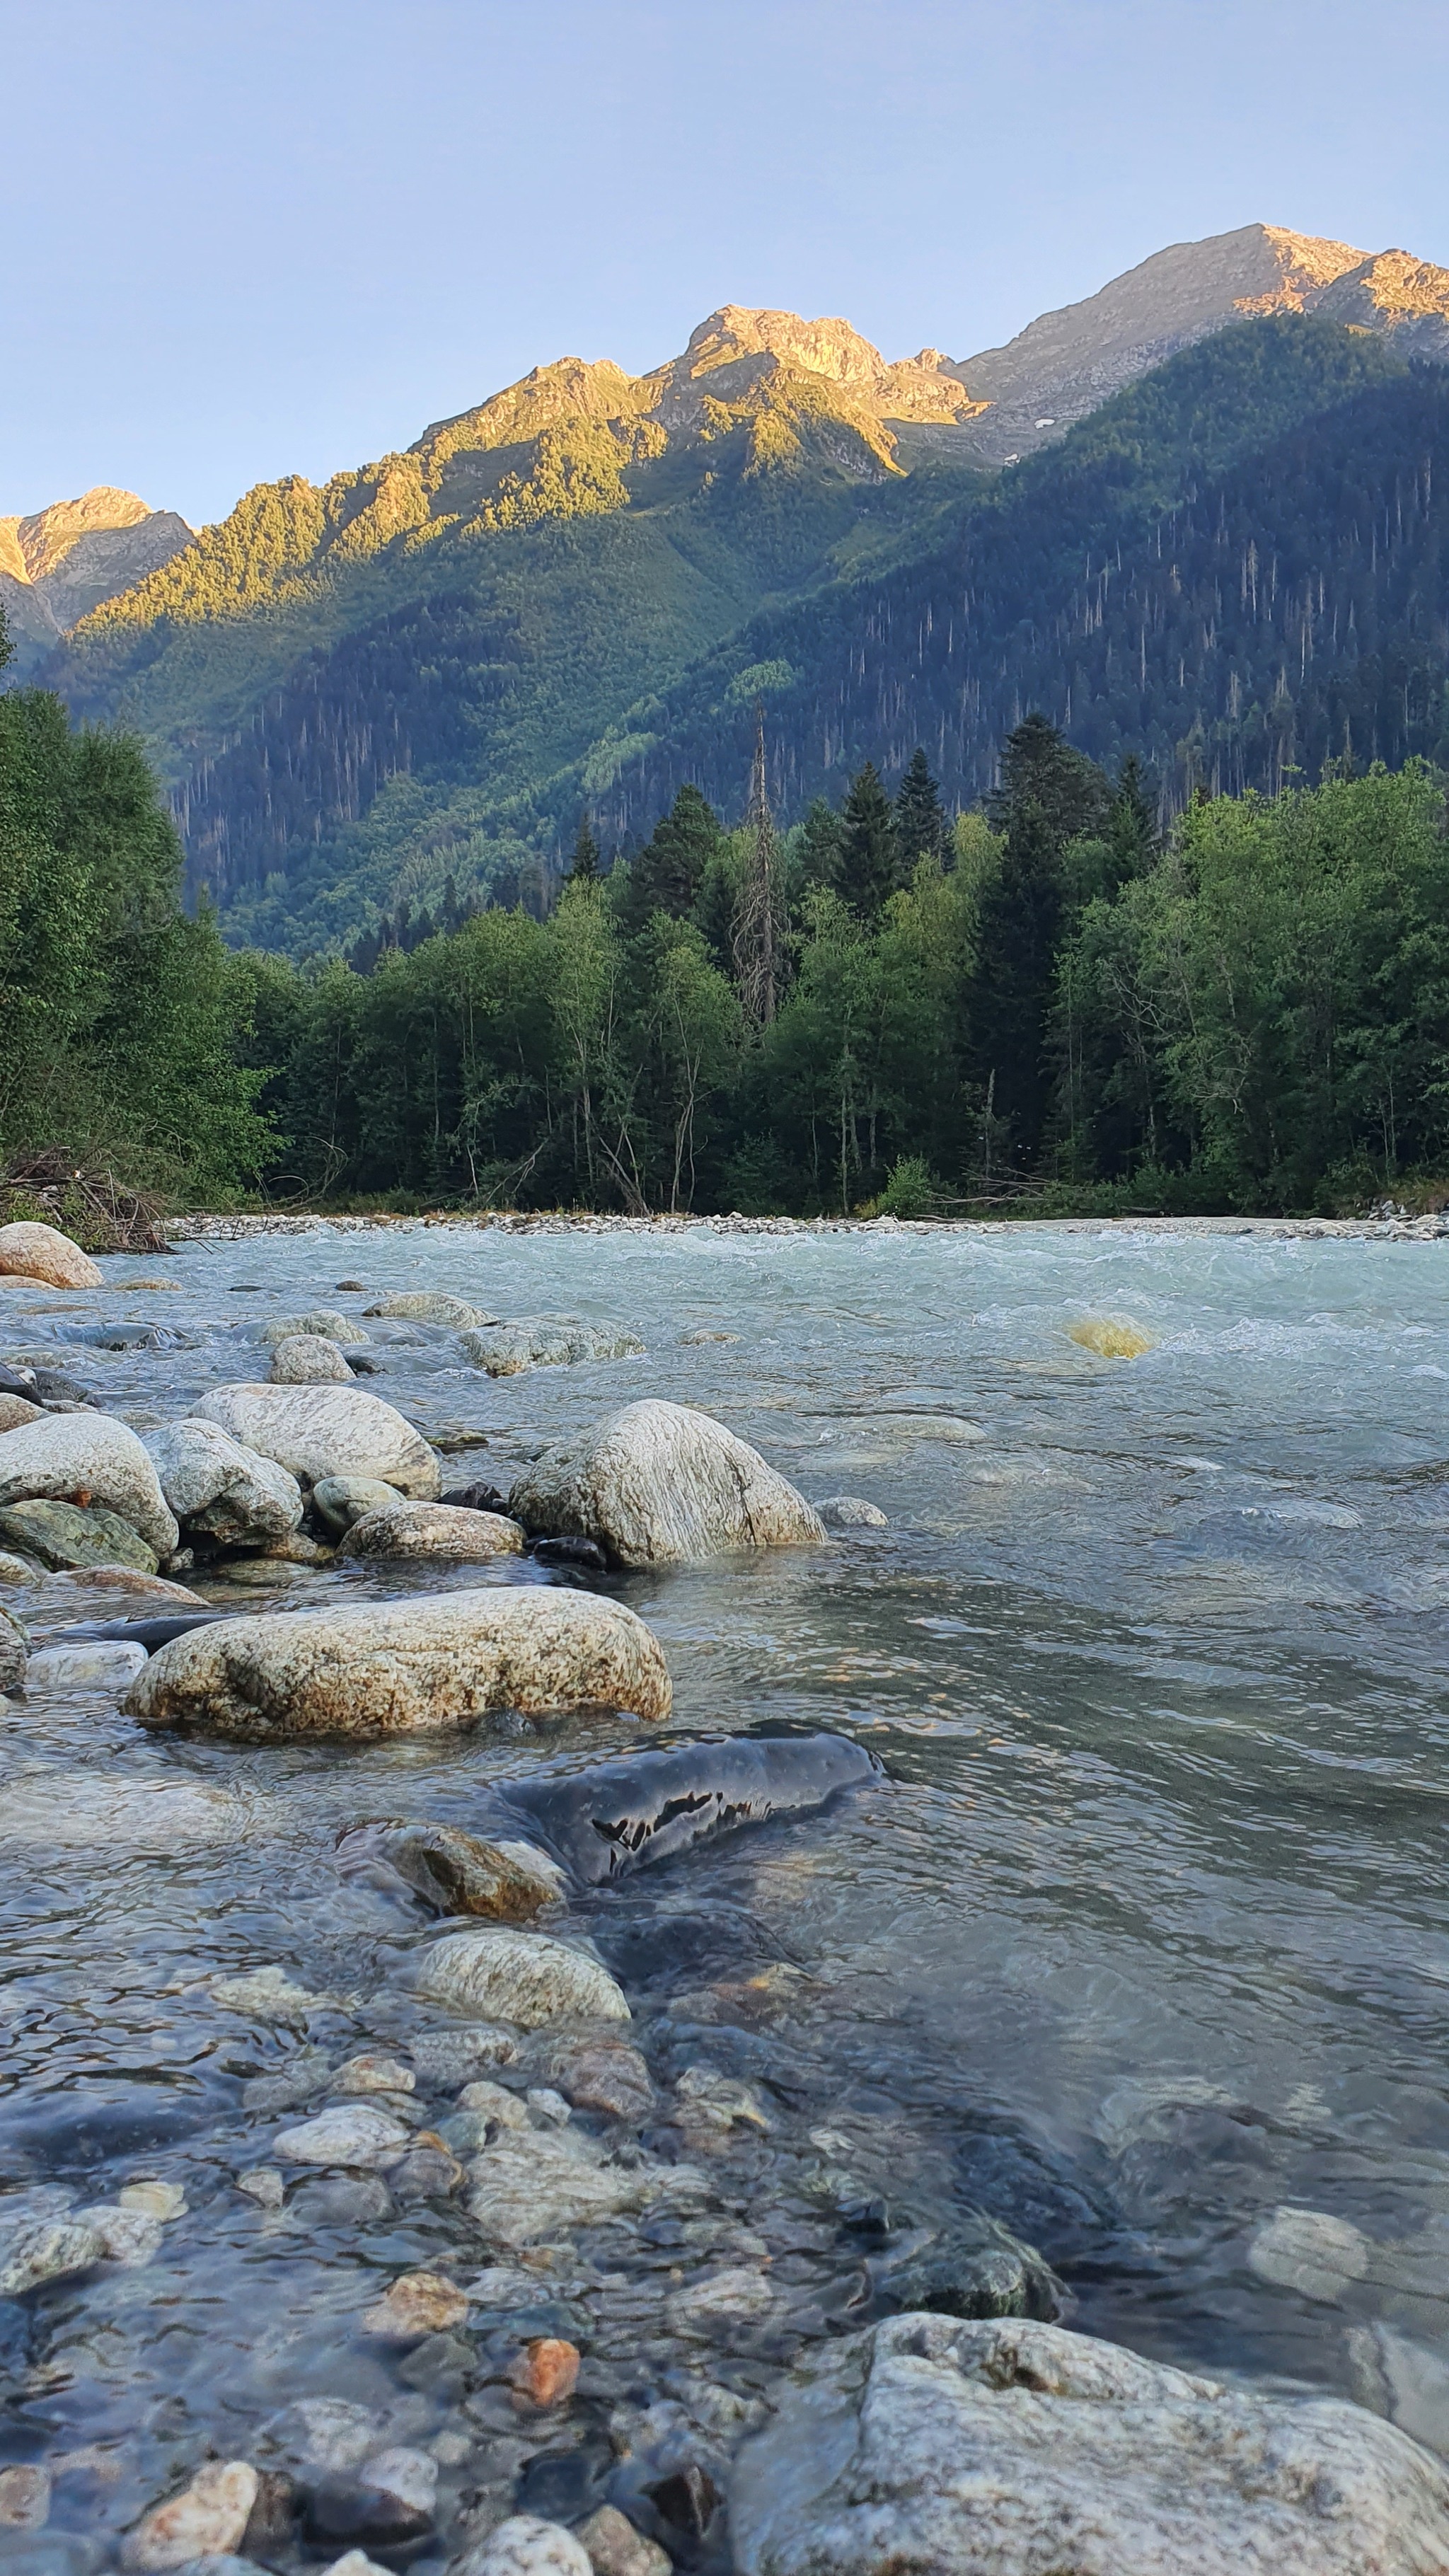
[252, 237]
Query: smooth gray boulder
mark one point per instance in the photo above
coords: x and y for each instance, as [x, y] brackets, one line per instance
[317, 1431]
[432, 1529]
[320, 1324]
[1006, 2448]
[216, 1487]
[405, 1668]
[341, 1500]
[659, 1484]
[522, 1977]
[307, 1359]
[87, 1458]
[546, 1341]
[430, 1306]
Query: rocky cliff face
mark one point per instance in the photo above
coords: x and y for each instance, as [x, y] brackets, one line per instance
[59, 564]
[1064, 364]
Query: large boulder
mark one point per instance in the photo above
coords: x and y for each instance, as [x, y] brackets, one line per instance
[87, 1458]
[317, 1431]
[39, 1252]
[546, 1341]
[1012, 2449]
[216, 1487]
[432, 1529]
[307, 1359]
[659, 1484]
[405, 1669]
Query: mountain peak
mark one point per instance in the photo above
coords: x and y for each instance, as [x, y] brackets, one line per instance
[58, 563]
[34, 546]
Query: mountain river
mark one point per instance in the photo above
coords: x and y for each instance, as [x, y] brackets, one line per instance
[1136, 1951]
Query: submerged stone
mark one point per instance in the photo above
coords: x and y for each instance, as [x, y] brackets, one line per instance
[520, 1977]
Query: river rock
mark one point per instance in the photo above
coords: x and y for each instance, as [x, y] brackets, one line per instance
[418, 2303]
[307, 1359]
[64, 1538]
[432, 1529]
[525, 2546]
[14, 1652]
[546, 1341]
[1310, 2251]
[88, 1459]
[29, 1251]
[215, 1486]
[605, 2075]
[317, 1431]
[615, 2548]
[208, 2518]
[851, 1511]
[717, 2305]
[405, 1668]
[18, 1569]
[70, 1590]
[320, 1325]
[504, 1882]
[17, 1409]
[356, 2134]
[341, 1500]
[25, 2496]
[1015, 2449]
[105, 1665]
[430, 1306]
[659, 1484]
[522, 1977]
[527, 2189]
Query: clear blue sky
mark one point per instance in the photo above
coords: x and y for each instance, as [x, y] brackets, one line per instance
[251, 237]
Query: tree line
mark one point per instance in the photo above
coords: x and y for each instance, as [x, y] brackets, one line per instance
[1056, 1000]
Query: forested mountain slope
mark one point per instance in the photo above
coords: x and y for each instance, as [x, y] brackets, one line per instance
[1237, 570]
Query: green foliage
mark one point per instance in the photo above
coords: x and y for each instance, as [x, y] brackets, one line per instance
[910, 1191]
[118, 1015]
[869, 856]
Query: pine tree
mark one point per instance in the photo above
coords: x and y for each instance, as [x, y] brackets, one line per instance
[920, 819]
[759, 923]
[867, 845]
[669, 871]
[585, 861]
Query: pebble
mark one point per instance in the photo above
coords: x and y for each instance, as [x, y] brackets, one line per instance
[373, 2074]
[614, 2547]
[720, 2101]
[356, 2135]
[548, 2106]
[158, 2199]
[546, 2372]
[522, 1977]
[602, 2075]
[524, 2546]
[418, 2303]
[84, 1668]
[130, 2237]
[207, 2517]
[496, 2104]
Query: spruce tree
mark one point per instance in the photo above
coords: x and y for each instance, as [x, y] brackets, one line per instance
[1132, 823]
[1040, 768]
[818, 852]
[669, 871]
[867, 845]
[1012, 988]
[920, 819]
[585, 861]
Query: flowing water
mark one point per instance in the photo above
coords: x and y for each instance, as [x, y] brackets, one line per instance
[1138, 1944]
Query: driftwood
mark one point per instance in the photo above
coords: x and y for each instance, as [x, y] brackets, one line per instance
[87, 1203]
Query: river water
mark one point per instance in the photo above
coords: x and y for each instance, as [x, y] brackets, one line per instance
[1138, 1944]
